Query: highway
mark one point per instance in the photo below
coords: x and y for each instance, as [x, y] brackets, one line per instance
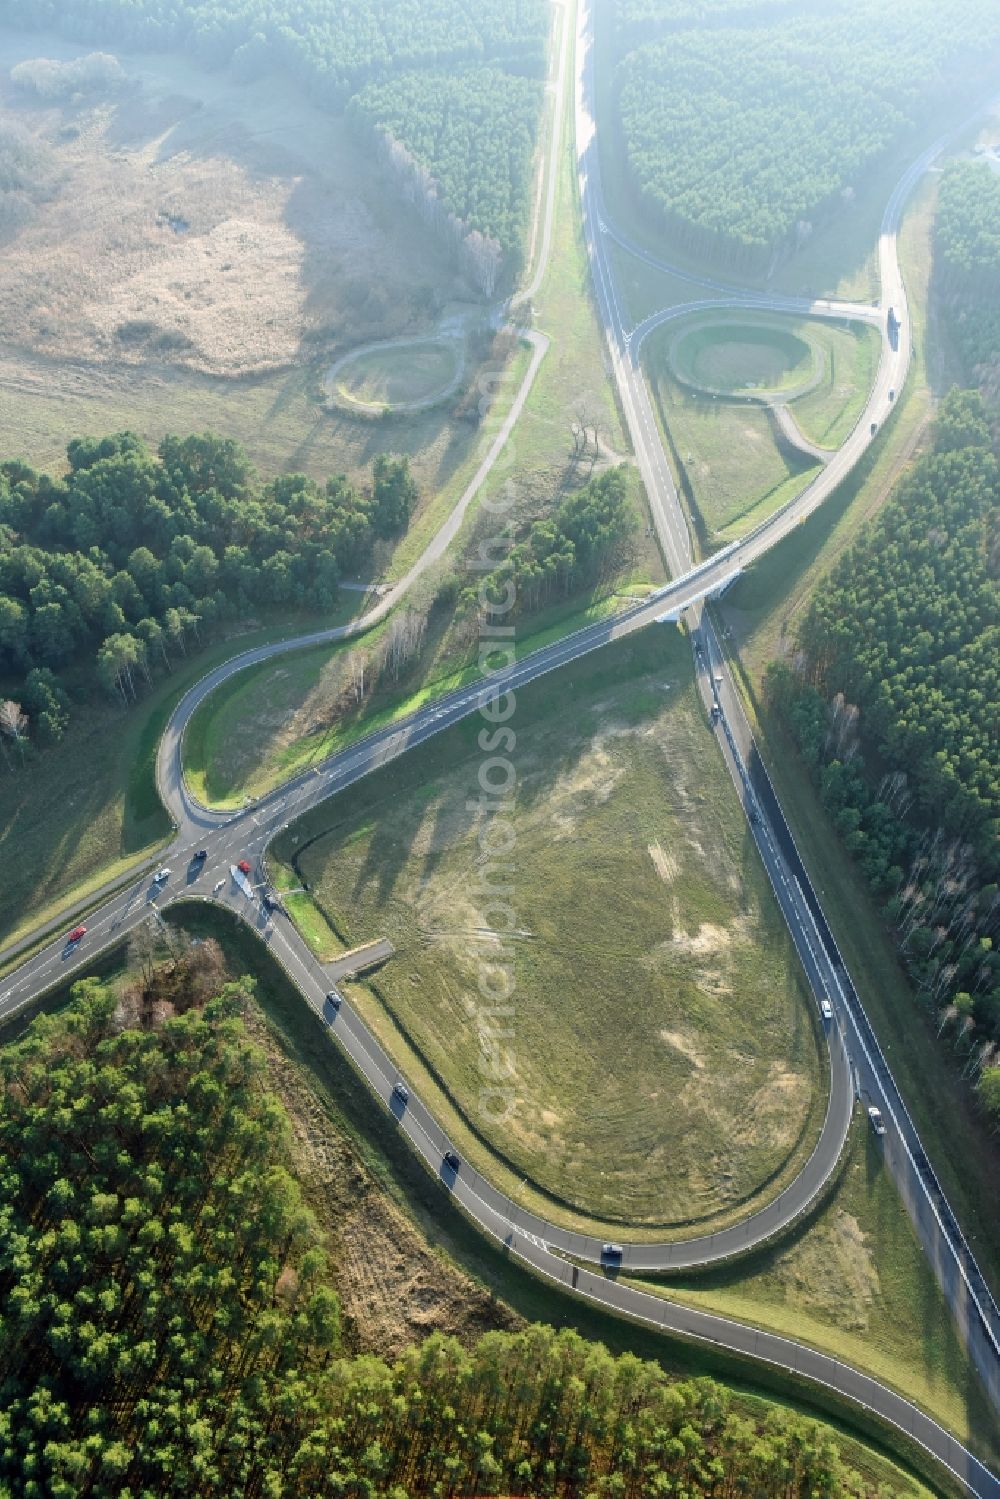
[855, 1061]
[961, 1280]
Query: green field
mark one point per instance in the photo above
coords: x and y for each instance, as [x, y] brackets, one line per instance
[823, 370]
[666, 1061]
[856, 1283]
[743, 358]
[409, 373]
[279, 718]
[828, 413]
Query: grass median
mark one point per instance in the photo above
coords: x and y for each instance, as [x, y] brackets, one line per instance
[855, 1283]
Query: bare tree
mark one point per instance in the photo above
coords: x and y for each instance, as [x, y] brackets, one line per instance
[582, 417]
[484, 256]
[356, 665]
[14, 723]
[842, 735]
[143, 944]
[406, 636]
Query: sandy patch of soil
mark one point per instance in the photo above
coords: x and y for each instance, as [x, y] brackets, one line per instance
[832, 1271]
[677, 1041]
[592, 782]
[665, 864]
[709, 938]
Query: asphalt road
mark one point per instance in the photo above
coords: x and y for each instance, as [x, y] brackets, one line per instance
[960, 1278]
[853, 1052]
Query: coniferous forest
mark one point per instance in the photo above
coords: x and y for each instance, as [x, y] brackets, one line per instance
[134, 558]
[894, 702]
[171, 1326]
[132, 554]
[728, 154]
[421, 79]
[967, 266]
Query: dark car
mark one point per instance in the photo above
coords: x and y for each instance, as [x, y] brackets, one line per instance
[402, 1092]
[451, 1159]
[201, 856]
[272, 903]
[612, 1253]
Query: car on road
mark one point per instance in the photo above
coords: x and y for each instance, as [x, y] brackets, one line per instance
[826, 1009]
[874, 428]
[272, 902]
[611, 1254]
[245, 867]
[892, 395]
[875, 1119]
[201, 856]
[451, 1158]
[401, 1091]
[161, 876]
[77, 934]
[334, 999]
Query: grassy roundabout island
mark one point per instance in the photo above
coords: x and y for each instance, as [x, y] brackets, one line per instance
[736, 358]
[401, 375]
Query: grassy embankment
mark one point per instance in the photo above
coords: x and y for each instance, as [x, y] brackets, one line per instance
[735, 356]
[260, 728]
[645, 1093]
[730, 467]
[410, 372]
[855, 1283]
